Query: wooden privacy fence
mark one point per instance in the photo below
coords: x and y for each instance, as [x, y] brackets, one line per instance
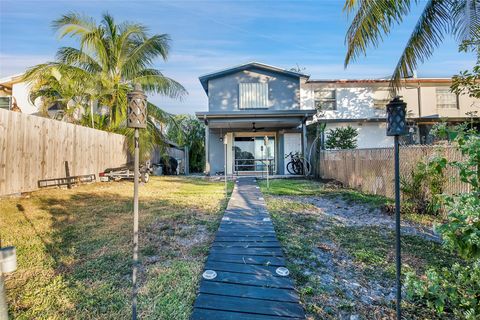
[371, 170]
[34, 148]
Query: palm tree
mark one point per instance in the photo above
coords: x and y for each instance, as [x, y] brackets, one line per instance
[58, 85]
[109, 60]
[375, 18]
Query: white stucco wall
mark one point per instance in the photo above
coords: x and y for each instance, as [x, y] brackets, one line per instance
[353, 102]
[356, 100]
[370, 134]
[20, 91]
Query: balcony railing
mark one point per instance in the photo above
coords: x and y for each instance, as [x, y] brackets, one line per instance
[254, 165]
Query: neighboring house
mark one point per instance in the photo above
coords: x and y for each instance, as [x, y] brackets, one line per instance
[246, 104]
[14, 95]
[361, 104]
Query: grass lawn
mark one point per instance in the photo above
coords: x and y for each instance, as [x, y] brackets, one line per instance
[333, 262]
[74, 248]
[301, 187]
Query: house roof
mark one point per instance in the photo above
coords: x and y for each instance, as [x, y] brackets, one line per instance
[257, 65]
[256, 114]
[11, 80]
[407, 80]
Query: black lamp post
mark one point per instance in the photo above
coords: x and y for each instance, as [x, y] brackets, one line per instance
[137, 119]
[397, 126]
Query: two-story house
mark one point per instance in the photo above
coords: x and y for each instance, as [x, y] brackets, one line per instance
[254, 100]
[361, 104]
[246, 104]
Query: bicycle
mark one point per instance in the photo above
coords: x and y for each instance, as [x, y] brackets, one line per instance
[298, 165]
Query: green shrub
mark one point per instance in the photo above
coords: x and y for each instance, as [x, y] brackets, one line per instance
[422, 189]
[455, 291]
[342, 138]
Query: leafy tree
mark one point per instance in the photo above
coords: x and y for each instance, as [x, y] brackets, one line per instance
[373, 19]
[109, 59]
[468, 81]
[189, 131]
[342, 138]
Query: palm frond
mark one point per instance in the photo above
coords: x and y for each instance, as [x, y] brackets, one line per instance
[373, 19]
[154, 81]
[73, 24]
[73, 56]
[143, 52]
[429, 32]
[466, 19]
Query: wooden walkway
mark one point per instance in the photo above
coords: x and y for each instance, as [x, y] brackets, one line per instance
[245, 257]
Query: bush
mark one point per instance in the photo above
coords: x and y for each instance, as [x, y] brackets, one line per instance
[342, 138]
[422, 189]
[455, 291]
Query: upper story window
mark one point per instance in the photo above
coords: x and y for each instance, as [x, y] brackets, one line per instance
[6, 103]
[326, 99]
[446, 99]
[253, 95]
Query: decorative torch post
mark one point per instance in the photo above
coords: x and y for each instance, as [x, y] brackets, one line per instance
[397, 126]
[8, 264]
[137, 119]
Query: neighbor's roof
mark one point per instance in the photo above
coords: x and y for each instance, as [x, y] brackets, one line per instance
[407, 80]
[205, 78]
[10, 80]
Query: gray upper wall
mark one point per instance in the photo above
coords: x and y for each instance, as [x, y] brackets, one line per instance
[283, 90]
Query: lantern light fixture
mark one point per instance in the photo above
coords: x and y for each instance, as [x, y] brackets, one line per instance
[396, 114]
[137, 108]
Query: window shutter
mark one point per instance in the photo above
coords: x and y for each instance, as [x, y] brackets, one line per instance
[253, 95]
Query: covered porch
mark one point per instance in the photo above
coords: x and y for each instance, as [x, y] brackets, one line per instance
[250, 142]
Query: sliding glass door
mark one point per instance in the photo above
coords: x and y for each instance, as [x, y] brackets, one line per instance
[251, 154]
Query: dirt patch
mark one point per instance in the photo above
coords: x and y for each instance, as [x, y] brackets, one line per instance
[357, 215]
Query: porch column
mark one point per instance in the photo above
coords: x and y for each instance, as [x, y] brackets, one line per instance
[304, 139]
[207, 144]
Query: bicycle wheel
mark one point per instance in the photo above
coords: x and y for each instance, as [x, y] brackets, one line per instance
[298, 168]
[290, 167]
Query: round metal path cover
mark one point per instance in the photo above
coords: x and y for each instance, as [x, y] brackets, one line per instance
[282, 271]
[209, 274]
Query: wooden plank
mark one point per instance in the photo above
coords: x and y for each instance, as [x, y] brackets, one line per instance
[258, 260]
[245, 244]
[247, 238]
[247, 226]
[208, 314]
[238, 290]
[241, 268]
[224, 303]
[253, 280]
[225, 233]
[248, 251]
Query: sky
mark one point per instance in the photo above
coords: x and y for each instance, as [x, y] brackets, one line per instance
[212, 35]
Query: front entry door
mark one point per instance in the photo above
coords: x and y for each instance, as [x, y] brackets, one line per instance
[292, 142]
